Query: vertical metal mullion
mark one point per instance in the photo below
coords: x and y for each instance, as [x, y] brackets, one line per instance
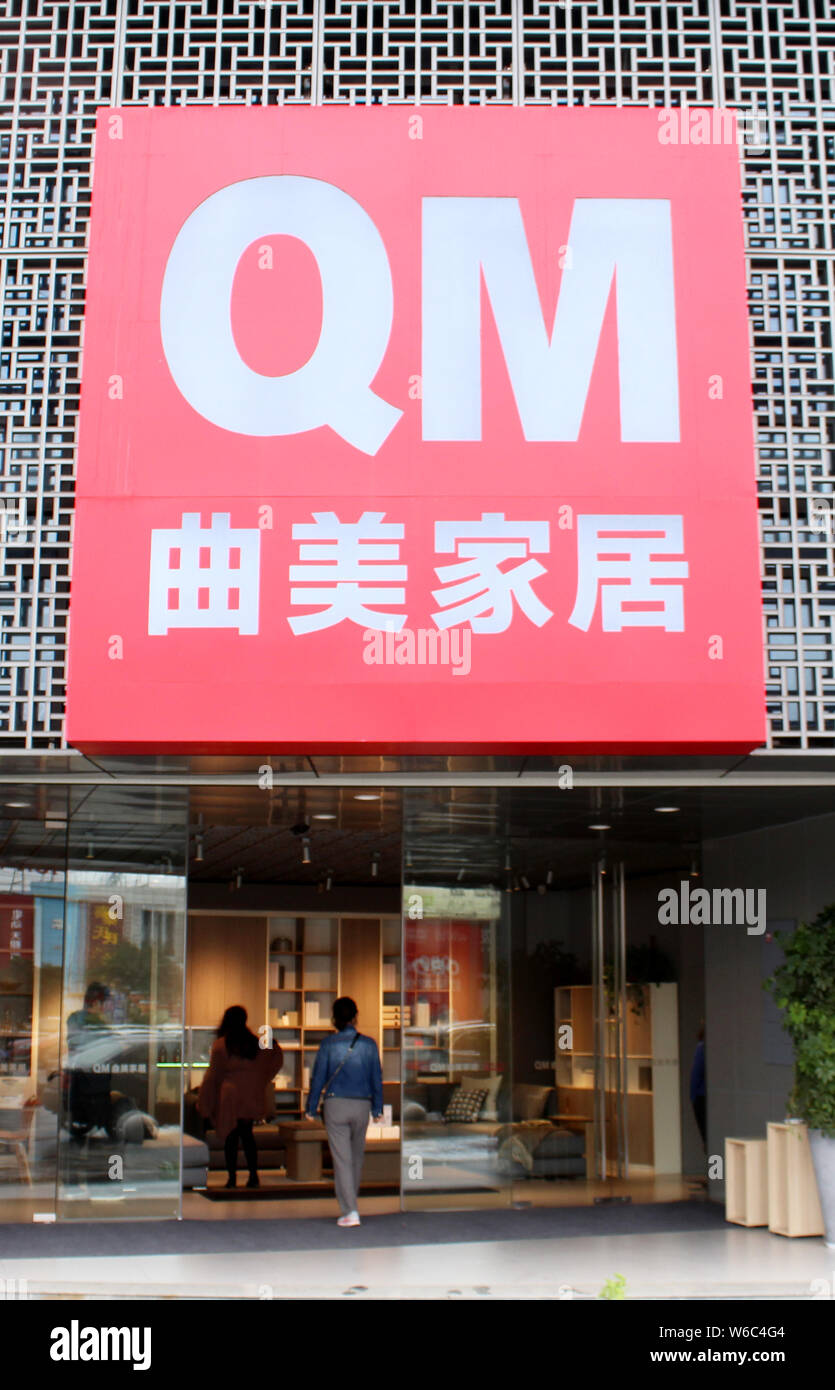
[623, 1066]
[599, 1021]
[518, 49]
[317, 54]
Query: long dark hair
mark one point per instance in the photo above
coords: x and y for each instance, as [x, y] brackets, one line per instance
[240, 1040]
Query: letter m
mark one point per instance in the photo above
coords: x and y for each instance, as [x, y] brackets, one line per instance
[625, 240]
[114, 1344]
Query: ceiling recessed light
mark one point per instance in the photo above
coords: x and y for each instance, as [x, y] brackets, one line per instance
[366, 796]
[17, 804]
[661, 810]
[601, 826]
[325, 815]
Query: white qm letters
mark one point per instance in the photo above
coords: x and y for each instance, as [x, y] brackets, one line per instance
[621, 239]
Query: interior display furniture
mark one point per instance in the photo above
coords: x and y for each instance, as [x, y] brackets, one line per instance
[793, 1204]
[287, 972]
[306, 1143]
[303, 1148]
[653, 1105]
[746, 1182]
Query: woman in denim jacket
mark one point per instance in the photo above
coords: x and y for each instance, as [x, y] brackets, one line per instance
[348, 1071]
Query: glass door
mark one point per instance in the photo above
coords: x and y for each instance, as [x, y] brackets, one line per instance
[122, 1045]
[456, 1097]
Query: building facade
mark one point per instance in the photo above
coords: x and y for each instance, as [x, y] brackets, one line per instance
[774, 64]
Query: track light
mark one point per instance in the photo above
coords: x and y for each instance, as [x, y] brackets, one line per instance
[198, 850]
[524, 881]
[694, 867]
[91, 853]
[239, 877]
[375, 864]
[507, 864]
[305, 851]
[549, 877]
[329, 882]
[461, 873]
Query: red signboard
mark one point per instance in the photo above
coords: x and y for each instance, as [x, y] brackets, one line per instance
[415, 430]
[17, 917]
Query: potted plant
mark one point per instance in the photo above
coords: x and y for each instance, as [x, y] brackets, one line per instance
[804, 988]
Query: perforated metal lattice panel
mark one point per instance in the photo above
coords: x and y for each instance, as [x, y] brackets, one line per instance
[60, 61]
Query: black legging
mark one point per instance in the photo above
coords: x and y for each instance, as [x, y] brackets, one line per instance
[242, 1131]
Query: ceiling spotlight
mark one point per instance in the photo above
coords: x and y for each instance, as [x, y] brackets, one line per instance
[524, 882]
[329, 882]
[549, 877]
[601, 825]
[239, 877]
[198, 850]
[325, 815]
[366, 796]
[91, 853]
[375, 864]
[461, 873]
[694, 868]
[305, 851]
[662, 810]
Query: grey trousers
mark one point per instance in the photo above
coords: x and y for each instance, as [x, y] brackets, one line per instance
[346, 1122]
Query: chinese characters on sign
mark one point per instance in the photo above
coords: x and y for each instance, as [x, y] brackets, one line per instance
[346, 568]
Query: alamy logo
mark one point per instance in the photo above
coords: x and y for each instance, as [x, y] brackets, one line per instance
[723, 907]
[77, 1343]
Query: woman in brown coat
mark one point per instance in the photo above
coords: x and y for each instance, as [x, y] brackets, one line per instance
[234, 1087]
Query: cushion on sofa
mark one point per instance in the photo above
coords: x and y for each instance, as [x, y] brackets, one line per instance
[465, 1106]
[485, 1081]
[531, 1102]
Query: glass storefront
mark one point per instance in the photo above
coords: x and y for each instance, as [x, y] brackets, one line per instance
[546, 1052]
[538, 1017]
[92, 963]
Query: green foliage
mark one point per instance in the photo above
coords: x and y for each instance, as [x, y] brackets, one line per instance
[615, 1287]
[804, 988]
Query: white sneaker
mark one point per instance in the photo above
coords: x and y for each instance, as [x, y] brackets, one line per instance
[352, 1219]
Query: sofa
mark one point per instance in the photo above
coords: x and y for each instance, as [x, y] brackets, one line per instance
[519, 1131]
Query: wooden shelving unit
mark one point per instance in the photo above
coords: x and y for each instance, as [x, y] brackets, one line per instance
[653, 1107]
[793, 1204]
[298, 967]
[746, 1182]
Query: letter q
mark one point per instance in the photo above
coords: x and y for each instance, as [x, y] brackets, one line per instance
[333, 386]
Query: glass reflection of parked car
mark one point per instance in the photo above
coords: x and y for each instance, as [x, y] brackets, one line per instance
[108, 1070]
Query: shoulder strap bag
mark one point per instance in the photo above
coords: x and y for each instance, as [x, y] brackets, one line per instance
[331, 1079]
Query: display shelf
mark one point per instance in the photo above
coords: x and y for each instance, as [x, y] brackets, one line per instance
[651, 1070]
[746, 1182]
[793, 1204]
